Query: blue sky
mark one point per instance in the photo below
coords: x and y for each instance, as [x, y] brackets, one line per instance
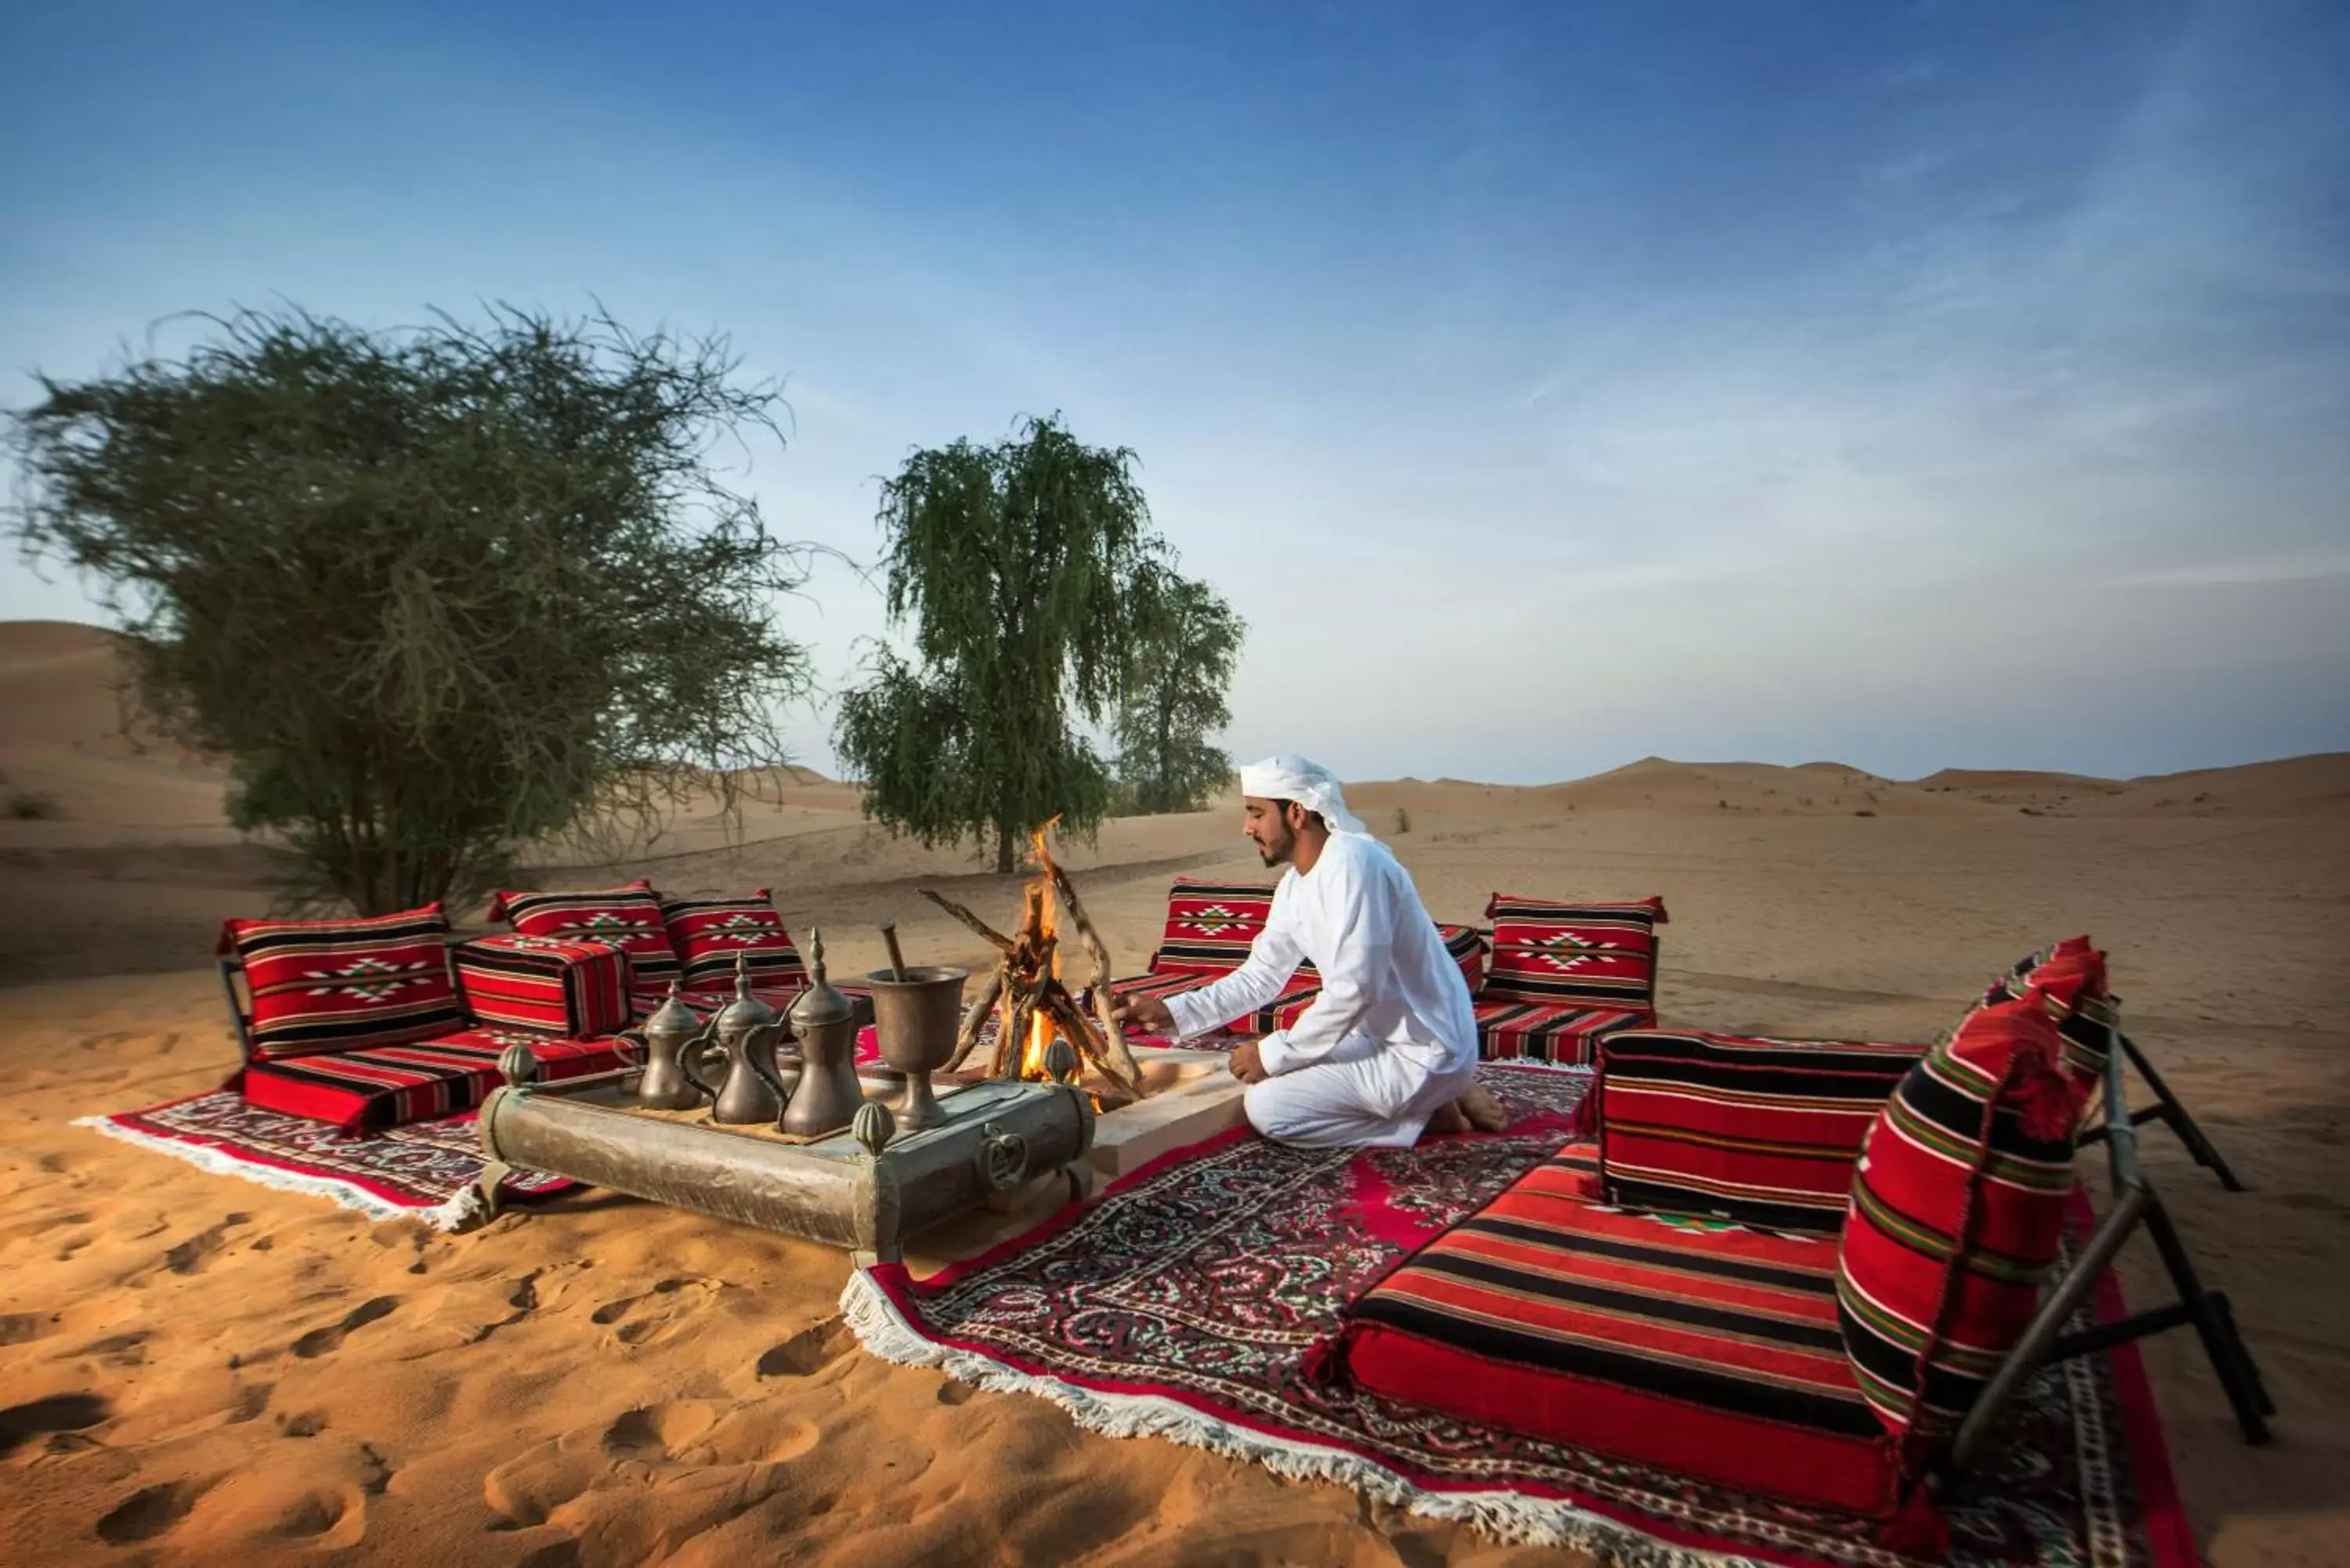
[1547, 385]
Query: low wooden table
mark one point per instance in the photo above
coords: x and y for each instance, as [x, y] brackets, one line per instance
[998, 1136]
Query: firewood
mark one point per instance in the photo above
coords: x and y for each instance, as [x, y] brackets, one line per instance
[1114, 1038]
[975, 1019]
[1002, 944]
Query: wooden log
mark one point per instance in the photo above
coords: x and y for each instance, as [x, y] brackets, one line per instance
[975, 1020]
[1113, 1037]
[1078, 1030]
[1002, 943]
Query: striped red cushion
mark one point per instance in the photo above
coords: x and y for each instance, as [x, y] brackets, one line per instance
[628, 918]
[2073, 973]
[1573, 952]
[710, 933]
[391, 1086]
[1760, 1131]
[344, 985]
[1709, 1352]
[1957, 1211]
[1565, 1036]
[1211, 925]
[549, 985]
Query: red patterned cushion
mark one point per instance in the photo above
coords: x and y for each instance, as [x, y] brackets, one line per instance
[342, 985]
[2072, 974]
[578, 988]
[710, 933]
[643, 999]
[1211, 925]
[1565, 1036]
[1545, 952]
[391, 1086]
[1957, 1206]
[1711, 1353]
[1764, 1132]
[628, 918]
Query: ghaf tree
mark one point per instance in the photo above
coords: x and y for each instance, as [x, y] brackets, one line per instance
[1021, 567]
[1179, 673]
[432, 592]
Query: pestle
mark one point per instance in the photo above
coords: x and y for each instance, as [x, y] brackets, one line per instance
[897, 958]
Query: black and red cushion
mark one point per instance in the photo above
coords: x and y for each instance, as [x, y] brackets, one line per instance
[1957, 1212]
[342, 985]
[711, 934]
[1758, 1131]
[1211, 926]
[392, 1085]
[1589, 954]
[628, 918]
[2071, 972]
[551, 985]
[1709, 1352]
[1564, 1036]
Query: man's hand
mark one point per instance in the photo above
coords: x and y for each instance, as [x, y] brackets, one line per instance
[1248, 1063]
[1143, 1014]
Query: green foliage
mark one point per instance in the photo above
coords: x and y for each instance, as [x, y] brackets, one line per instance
[1019, 566]
[1186, 645]
[433, 593]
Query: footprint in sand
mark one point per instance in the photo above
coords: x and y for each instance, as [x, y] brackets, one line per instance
[57, 1413]
[814, 1347]
[319, 1341]
[23, 1327]
[251, 1401]
[642, 1316]
[146, 1514]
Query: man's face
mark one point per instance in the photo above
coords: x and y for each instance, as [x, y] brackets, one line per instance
[1267, 828]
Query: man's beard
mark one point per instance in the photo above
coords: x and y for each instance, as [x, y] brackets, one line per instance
[1275, 852]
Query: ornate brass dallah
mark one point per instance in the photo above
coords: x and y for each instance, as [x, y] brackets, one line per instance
[746, 1029]
[829, 1095]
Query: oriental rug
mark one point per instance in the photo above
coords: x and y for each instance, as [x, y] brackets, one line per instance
[425, 1170]
[1188, 1302]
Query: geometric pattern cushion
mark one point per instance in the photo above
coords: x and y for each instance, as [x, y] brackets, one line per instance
[1564, 1036]
[577, 988]
[1589, 953]
[1713, 1353]
[628, 918]
[1758, 1131]
[340, 985]
[709, 934]
[392, 1085]
[1211, 925]
[1958, 1205]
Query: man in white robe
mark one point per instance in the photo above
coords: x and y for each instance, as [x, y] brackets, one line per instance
[1389, 1049]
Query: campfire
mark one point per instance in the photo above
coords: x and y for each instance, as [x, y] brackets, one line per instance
[1025, 996]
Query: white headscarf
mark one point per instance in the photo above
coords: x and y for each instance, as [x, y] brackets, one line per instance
[1310, 784]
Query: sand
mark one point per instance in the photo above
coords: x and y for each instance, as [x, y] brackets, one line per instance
[200, 1370]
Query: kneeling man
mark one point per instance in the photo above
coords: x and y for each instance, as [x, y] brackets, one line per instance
[1389, 1049]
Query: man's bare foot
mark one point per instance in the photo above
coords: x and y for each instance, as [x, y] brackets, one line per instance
[1448, 1119]
[1482, 1110]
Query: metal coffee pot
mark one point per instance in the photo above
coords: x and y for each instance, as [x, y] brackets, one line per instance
[747, 1030]
[826, 1021]
[673, 1033]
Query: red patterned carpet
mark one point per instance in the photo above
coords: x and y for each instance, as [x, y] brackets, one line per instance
[1185, 1304]
[422, 1171]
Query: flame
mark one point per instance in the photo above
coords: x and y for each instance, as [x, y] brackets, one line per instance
[1040, 1039]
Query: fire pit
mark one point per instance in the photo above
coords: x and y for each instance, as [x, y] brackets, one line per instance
[1025, 997]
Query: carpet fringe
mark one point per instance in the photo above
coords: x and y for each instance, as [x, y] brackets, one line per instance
[452, 1215]
[1509, 1517]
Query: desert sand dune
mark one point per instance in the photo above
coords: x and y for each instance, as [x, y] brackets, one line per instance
[200, 1370]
